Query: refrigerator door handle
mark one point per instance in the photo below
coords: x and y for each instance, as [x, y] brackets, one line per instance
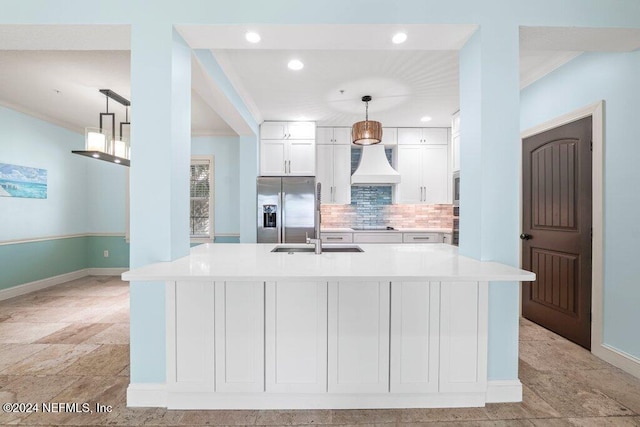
[283, 226]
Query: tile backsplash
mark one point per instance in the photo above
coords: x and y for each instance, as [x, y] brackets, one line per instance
[398, 216]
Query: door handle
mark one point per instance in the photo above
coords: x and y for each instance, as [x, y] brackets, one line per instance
[285, 166]
[525, 236]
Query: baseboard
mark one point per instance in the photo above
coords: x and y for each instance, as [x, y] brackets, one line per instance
[504, 391]
[114, 271]
[25, 288]
[152, 395]
[619, 359]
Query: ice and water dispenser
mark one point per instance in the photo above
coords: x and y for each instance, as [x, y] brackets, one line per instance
[269, 215]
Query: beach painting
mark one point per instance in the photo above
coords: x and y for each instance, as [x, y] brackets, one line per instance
[22, 181]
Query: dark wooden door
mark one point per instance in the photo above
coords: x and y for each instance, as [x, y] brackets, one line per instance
[556, 238]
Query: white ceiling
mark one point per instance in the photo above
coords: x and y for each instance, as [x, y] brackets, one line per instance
[54, 72]
[61, 86]
[405, 85]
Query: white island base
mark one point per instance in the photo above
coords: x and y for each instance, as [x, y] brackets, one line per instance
[326, 342]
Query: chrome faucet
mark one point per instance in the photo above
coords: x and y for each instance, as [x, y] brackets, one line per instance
[317, 241]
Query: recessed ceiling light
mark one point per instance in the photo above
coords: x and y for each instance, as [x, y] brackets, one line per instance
[95, 155]
[399, 38]
[252, 37]
[295, 65]
[425, 119]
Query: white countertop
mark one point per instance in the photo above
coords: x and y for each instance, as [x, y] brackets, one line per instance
[389, 262]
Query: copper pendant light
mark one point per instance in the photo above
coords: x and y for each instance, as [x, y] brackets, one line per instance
[366, 132]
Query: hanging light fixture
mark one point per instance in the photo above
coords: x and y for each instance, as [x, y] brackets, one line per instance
[102, 143]
[367, 132]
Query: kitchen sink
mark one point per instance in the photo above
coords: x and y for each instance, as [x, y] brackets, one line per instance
[310, 249]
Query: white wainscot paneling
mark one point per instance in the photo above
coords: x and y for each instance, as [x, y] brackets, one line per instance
[239, 336]
[190, 336]
[463, 336]
[358, 337]
[296, 337]
[415, 308]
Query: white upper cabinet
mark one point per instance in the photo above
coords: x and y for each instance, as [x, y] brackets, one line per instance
[334, 135]
[287, 149]
[424, 170]
[288, 130]
[455, 142]
[430, 136]
[334, 172]
[389, 136]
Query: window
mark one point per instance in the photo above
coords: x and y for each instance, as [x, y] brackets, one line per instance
[201, 203]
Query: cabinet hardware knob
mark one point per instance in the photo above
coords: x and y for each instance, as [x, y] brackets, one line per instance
[525, 236]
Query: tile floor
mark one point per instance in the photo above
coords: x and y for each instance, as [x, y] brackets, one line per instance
[70, 343]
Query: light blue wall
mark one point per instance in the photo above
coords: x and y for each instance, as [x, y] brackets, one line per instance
[30, 261]
[83, 196]
[612, 77]
[28, 141]
[226, 152]
[106, 196]
[489, 177]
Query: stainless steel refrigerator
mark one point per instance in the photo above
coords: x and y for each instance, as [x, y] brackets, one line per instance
[285, 209]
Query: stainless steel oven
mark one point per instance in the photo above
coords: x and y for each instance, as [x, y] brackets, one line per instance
[456, 188]
[456, 208]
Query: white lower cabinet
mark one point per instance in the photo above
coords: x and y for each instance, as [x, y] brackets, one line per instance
[415, 309]
[336, 237]
[463, 336]
[239, 336]
[305, 344]
[422, 238]
[190, 364]
[386, 237]
[358, 337]
[296, 337]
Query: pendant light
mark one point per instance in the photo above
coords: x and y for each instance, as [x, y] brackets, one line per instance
[366, 132]
[102, 143]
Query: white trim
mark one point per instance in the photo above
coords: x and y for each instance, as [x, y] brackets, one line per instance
[41, 284]
[618, 358]
[147, 395]
[44, 118]
[597, 253]
[536, 73]
[156, 395]
[504, 391]
[213, 132]
[262, 401]
[227, 235]
[112, 271]
[59, 237]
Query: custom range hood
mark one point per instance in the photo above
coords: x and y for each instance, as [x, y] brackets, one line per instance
[374, 168]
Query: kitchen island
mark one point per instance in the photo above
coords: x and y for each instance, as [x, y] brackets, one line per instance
[394, 326]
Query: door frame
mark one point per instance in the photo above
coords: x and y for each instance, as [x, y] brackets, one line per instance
[595, 110]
